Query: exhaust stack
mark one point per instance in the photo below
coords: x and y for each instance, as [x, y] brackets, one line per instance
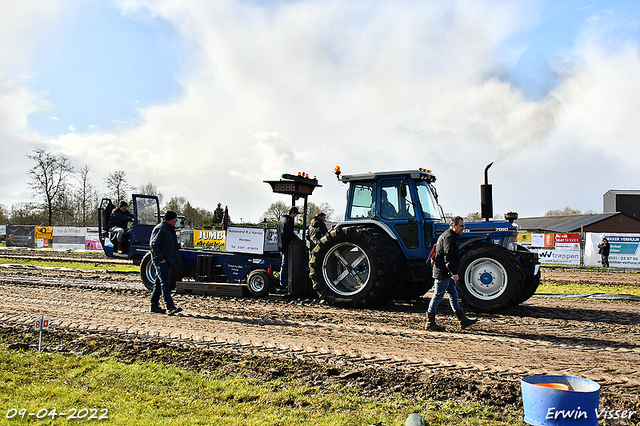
[486, 196]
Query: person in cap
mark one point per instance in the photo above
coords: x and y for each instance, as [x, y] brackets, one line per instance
[164, 253]
[317, 230]
[118, 222]
[285, 235]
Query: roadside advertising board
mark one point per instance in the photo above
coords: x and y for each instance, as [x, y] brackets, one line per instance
[623, 249]
[567, 242]
[245, 240]
[209, 239]
[92, 240]
[69, 238]
[43, 236]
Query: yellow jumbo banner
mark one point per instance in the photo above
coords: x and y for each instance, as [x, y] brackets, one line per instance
[209, 238]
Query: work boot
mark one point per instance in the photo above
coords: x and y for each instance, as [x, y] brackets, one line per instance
[464, 321]
[157, 310]
[173, 310]
[431, 323]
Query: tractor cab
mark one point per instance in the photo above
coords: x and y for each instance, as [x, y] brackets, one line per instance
[146, 212]
[402, 203]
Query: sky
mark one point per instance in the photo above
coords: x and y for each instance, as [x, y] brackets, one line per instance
[207, 100]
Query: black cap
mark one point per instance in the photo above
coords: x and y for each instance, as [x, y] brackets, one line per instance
[124, 204]
[170, 215]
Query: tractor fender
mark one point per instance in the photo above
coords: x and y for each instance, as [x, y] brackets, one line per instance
[470, 242]
[369, 224]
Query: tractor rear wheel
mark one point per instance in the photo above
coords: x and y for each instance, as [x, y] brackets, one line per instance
[490, 278]
[356, 267]
[148, 271]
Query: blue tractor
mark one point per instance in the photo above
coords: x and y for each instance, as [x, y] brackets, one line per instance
[392, 221]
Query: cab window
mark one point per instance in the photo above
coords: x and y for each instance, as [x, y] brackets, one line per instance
[362, 200]
[396, 201]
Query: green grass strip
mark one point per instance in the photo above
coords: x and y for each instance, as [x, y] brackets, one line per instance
[551, 287]
[96, 266]
[156, 394]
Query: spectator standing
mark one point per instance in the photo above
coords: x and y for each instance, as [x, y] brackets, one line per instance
[285, 235]
[164, 254]
[317, 230]
[603, 249]
[445, 274]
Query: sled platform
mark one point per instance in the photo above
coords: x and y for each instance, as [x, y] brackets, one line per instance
[218, 289]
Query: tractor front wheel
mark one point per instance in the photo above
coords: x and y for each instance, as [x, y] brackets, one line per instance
[490, 278]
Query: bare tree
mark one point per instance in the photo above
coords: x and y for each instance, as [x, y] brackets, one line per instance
[315, 209]
[86, 199]
[151, 189]
[567, 211]
[3, 215]
[26, 214]
[118, 185]
[474, 217]
[64, 209]
[176, 204]
[49, 178]
[275, 212]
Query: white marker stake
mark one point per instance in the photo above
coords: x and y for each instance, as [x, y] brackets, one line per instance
[41, 324]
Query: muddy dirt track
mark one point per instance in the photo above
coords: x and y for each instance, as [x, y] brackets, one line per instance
[378, 350]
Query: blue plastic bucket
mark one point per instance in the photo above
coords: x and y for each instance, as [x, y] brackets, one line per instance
[560, 400]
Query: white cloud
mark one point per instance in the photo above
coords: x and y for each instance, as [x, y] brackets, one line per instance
[304, 86]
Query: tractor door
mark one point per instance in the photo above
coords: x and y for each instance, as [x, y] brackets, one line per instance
[146, 210]
[398, 209]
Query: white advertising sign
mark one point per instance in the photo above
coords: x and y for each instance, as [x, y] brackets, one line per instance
[245, 240]
[92, 239]
[69, 238]
[623, 249]
[563, 257]
[3, 230]
[537, 240]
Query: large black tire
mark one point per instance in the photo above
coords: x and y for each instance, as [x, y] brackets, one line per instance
[148, 271]
[259, 282]
[531, 282]
[491, 278]
[356, 267]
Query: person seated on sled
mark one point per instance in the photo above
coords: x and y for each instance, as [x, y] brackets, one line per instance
[118, 221]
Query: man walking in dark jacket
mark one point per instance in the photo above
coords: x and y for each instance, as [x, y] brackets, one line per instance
[285, 235]
[164, 252]
[445, 274]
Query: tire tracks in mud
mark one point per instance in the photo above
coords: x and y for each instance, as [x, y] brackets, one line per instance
[535, 340]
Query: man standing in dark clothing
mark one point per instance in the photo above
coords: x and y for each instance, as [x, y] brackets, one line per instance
[285, 235]
[445, 274]
[604, 249]
[317, 230]
[164, 253]
[119, 220]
